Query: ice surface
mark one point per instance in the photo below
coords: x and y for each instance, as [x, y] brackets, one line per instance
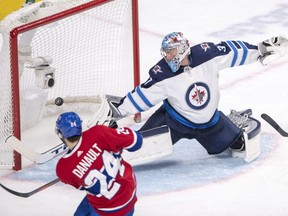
[189, 182]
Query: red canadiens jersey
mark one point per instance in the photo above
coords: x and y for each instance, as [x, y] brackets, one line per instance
[95, 165]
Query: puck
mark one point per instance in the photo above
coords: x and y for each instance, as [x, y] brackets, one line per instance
[59, 101]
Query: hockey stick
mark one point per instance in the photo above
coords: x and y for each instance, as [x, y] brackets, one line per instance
[28, 194]
[39, 158]
[102, 116]
[36, 157]
[273, 123]
[146, 134]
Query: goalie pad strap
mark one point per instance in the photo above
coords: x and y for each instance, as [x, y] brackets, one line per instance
[155, 131]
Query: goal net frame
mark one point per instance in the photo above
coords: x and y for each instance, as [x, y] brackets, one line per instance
[14, 60]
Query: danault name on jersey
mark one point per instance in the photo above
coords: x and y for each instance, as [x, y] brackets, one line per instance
[87, 161]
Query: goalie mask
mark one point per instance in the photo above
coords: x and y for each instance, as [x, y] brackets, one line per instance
[68, 124]
[175, 40]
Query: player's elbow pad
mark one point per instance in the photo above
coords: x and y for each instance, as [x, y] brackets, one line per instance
[138, 144]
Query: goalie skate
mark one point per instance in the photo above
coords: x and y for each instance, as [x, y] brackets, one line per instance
[243, 120]
[251, 128]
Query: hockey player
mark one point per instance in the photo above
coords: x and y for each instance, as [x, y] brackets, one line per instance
[186, 81]
[94, 164]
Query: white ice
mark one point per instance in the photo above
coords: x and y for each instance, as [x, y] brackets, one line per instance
[189, 182]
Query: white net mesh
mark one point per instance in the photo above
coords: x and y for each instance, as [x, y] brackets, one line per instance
[91, 52]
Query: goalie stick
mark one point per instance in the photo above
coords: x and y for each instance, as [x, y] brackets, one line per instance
[146, 134]
[274, 124]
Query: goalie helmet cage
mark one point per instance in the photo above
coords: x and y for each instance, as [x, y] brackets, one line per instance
[93, 46]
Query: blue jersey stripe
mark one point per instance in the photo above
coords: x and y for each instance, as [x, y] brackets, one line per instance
[134, 103]
[179, 118]
[146, 101]
[245, 50]
[235, 53]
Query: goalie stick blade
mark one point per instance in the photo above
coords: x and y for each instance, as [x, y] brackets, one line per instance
[28, 194]
[274, 124]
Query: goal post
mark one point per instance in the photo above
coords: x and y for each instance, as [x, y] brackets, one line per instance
[74, 49]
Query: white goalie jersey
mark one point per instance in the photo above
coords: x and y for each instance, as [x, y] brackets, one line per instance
[191, 94]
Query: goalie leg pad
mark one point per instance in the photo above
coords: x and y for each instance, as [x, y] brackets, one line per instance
[252, 148]
[153, 148]
[251, 151]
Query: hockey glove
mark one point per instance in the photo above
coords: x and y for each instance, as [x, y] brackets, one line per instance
[272, 49]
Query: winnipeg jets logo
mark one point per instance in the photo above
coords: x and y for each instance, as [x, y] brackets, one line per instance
[198, 95]
[205, 46]
[157, 69]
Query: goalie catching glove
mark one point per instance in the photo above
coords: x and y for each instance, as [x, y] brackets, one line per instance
[272, 49]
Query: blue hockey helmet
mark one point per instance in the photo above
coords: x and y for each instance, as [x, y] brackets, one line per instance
[175, 40]
[68, 124]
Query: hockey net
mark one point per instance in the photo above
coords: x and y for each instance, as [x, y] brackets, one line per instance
[74, 49]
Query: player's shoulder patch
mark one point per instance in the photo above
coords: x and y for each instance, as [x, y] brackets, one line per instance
[203, 52]
[161, 71]
[160, 68]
